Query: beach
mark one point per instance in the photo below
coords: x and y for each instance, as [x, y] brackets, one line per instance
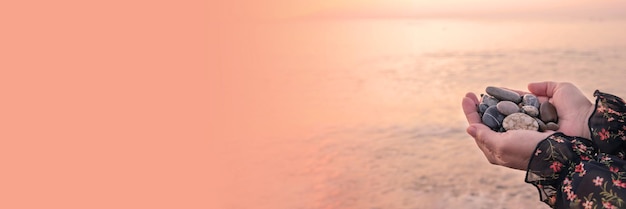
[366, 114]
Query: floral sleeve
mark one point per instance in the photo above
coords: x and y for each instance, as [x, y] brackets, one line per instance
[607, 126]
[569, 173]
[574, 172]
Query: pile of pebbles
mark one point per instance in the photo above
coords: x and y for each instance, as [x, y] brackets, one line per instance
[503, 110]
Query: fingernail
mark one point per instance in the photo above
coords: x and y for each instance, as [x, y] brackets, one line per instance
[471, 131]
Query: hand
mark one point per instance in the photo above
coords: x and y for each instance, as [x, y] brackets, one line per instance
[572, 107]
[512, 149]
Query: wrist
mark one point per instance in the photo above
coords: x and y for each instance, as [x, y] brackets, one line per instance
[586, 128]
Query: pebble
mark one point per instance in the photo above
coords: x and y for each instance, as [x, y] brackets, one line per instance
[547, 112]
[530, 110]
[552, 126]
[493, 118]
[507, 107]
[520, 121]
[542, 125]
[504, 94]
[489, 100]
[482, 108]
[531, 100]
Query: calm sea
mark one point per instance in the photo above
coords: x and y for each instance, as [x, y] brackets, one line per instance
[325, 107]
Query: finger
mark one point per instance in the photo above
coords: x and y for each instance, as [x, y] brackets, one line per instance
[546, 88]
[470, 109]
[485, 140]
[473, 97]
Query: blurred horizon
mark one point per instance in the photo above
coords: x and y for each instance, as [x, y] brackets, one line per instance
[282, 9]
[486, 9]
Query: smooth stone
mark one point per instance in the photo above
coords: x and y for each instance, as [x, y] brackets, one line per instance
[542, 126]
[530, 110]
[530, 99]
[493, 118]
[520, 121]
[489, 100]
[552, 126]
[503, 94]
[547, 112]
[482, 108]
[507, 107]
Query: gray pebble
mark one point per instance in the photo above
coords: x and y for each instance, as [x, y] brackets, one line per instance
[547, 112]
[530, 110]
[542, 125]
[507, 107]
[489, 100]
[503, 94]
[552, 126]
[493, 118]
[482, 108]
[530, 99]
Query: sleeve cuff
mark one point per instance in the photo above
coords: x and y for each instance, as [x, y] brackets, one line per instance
[553, 159]
[606, 124]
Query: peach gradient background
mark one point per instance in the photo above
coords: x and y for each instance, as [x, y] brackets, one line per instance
[105, 104]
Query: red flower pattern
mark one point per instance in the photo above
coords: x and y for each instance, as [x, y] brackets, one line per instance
[556, 166]
[571, 196]
[598, 181]
[604, 134]
[585, 158]
[607, 205]
[588, 204]
[619, 183]
[580, 168]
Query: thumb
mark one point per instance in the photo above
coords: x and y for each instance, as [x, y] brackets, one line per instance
[471, 130]
[546, 88]
[481, 132]
[484, 138]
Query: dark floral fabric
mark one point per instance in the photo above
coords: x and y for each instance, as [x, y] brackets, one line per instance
[607, 124]
[574, 172]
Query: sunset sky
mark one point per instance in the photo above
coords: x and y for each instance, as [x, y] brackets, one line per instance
[290, 8]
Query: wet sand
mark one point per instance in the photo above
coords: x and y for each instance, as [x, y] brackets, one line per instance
[400, 168]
